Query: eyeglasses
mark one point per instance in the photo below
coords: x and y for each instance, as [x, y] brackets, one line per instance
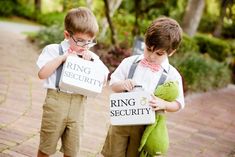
[84, 43]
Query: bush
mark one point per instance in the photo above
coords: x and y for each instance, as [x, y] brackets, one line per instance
[51, 18]
[207, 23]
[229, 31]
[25, 11]
[49, 35]
[6, 7]
[112, 57]
[216, 48]
[202, 73]
[124, 26]
[232, 60]
[188, 44]
[47, 19]
[115, 56]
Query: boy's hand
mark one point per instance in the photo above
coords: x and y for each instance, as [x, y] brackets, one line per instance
[123, 86]
[128, 85]
[86, 55]
[158, 103]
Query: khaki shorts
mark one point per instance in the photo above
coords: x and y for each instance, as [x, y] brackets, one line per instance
[123, 141]
[63, 116]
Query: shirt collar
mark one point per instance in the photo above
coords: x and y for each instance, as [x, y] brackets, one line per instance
[65, 45]
[165, 64]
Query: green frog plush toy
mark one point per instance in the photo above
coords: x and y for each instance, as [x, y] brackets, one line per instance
[155, 140]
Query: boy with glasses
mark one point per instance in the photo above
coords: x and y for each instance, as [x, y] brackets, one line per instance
[162, 38]
[63, 112]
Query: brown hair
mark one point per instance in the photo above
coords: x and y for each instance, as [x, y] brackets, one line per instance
[165, 34]
[81, 20]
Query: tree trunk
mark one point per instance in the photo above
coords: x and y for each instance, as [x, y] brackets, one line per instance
[37, 4]
[218, 29]
[193, 16]
[137, 12]
[107, 13]
[113, 5]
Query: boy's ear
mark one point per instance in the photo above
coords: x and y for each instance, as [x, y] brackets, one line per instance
[66, 34]
[172, 53]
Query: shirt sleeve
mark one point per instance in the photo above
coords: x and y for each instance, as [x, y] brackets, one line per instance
[48, 53]
[121, 71]
[175, 76]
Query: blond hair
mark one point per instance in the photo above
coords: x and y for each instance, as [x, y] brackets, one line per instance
[81, 20]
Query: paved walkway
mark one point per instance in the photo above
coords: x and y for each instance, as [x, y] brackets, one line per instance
[18, 27]
[205, 128]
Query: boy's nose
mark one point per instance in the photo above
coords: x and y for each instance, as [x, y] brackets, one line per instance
[152, 58]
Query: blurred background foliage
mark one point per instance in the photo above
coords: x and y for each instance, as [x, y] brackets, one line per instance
[205, 58]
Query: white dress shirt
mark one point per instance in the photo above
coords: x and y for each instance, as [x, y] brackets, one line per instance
[146, 77]
[52, 51]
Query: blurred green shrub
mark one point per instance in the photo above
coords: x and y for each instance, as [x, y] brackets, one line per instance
[232, 59]
[6, 7]
[200, 72]
[113, 57]
[123, 26]
[229, 30]
[52, 18]
[49, 35]
[188, 44]
[25, 11]
[216, 48]
[207, 23]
